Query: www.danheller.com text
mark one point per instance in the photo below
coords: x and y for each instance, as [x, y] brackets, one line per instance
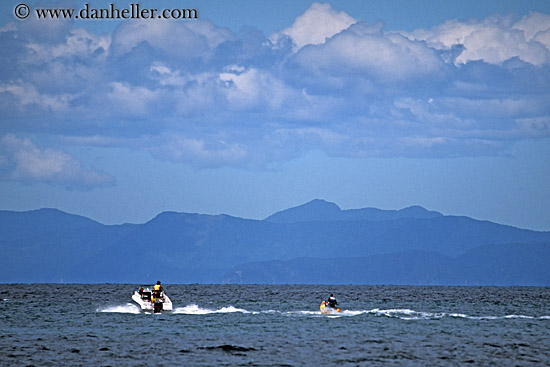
[89, 12]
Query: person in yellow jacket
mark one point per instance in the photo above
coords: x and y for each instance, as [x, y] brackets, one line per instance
[158, 287]
[157, 291]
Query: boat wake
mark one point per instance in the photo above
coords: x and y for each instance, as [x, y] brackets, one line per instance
[406, 314]
[193, 309]
[127, 308]
[396, 313]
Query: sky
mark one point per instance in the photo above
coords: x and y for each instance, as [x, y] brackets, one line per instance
[258, 106]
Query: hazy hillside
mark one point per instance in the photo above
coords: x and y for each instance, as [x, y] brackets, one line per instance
[315, 243]
[43, 245]
[513, 264]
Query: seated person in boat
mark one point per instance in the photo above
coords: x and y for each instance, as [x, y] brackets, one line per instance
[332, 301]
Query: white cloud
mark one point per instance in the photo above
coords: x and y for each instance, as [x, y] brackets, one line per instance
[182, 40]
[362, 52]
[21, 160]
[196, 93]
[131, 101]
[168, 77]
[533, 25]
[77, 43]
[544, 38]
[28, 97]
[252, 88]
[319, 22]
[494, 39]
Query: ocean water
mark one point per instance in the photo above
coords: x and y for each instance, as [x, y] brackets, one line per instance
[271, 325]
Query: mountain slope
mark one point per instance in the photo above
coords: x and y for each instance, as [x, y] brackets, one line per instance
[51, 246]
[321, 210]
[503, 265]
[43, 245]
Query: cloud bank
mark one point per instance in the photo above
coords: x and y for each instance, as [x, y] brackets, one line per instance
[190, 91]
[23, 161]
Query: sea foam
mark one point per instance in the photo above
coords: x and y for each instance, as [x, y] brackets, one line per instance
[127, 308]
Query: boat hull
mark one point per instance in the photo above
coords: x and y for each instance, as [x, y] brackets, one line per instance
[146, 305]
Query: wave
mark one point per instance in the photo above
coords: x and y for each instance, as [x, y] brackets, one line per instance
[193, 309]
[127, 308]
[408, 314]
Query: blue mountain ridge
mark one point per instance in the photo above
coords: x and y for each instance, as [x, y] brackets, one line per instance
[315, 243]
[321, 210]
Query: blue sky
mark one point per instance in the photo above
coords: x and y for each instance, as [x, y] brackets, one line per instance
[258, 106]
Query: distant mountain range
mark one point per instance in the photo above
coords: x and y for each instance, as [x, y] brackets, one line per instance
[315, 243]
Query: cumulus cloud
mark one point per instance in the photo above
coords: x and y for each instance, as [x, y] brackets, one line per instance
[364, 52]
[132, 101]
[493, 40]
[21, 160]
[193, 92]
[252, 88]
[174, 39]
[27, 97]
[318, 23]
[535, 26]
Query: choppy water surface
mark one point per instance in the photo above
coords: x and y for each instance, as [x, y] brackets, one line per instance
[265, 325]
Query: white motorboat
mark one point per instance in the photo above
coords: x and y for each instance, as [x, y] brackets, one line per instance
[149, 300]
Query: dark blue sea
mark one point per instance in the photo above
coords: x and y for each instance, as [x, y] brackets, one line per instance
[275, 325]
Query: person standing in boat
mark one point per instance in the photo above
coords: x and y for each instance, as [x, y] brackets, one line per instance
[158, 287]
[157, 290]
